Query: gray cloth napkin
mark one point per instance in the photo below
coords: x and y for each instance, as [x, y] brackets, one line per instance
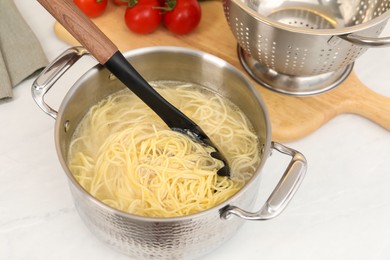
[20, 51]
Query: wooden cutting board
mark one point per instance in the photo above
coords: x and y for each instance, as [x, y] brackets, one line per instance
[292, 117]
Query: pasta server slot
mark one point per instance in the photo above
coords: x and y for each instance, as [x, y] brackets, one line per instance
[106, 52]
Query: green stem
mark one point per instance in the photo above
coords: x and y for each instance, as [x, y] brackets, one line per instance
[131, 3]
[169, 6]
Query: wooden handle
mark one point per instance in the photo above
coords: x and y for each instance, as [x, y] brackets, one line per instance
[81, 27]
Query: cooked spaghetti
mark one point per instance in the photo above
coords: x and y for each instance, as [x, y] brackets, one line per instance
[124, 155]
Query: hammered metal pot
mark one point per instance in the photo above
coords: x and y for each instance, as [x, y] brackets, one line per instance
[180, 237]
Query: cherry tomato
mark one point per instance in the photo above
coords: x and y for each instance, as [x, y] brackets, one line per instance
[143, 17]
[184, 17]
[121, 2]
[92, 8]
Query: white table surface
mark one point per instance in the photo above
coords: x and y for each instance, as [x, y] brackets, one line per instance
[342, 210]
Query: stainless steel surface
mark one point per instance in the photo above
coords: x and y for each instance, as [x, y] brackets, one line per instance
[292, 85]
[168, 238]
[307, 38]
[51, 74]
[283, 192]
[366, 41]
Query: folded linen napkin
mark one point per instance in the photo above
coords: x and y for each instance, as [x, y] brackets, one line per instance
[20, 51]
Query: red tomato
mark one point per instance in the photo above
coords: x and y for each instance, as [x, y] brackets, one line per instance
[143, 17]
[184, 17]
[92, 8]
[121, 2]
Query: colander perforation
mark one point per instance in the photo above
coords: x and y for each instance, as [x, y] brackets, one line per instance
[304, 38]
[367, 10]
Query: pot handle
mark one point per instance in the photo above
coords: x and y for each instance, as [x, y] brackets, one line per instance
[49, 76]
[366, 41]
[283, 192]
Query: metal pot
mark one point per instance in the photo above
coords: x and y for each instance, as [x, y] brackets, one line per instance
[167, 238]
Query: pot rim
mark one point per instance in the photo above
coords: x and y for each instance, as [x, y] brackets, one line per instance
[172, 49]
[314, 32]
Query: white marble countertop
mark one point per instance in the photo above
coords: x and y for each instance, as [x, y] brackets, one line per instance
[341, 211]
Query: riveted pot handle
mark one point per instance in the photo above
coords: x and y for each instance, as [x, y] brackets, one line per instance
[283, 192]
[49, 76]
[366, 41]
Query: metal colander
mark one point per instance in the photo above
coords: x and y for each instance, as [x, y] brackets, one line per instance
[304, 47]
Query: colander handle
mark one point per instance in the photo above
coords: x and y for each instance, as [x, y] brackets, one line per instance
[49, 76]
[283, 192]
[366, 41]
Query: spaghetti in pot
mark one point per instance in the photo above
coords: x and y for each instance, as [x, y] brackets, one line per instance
[123, 154]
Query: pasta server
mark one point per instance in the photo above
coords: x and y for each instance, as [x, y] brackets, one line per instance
[108, 55]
